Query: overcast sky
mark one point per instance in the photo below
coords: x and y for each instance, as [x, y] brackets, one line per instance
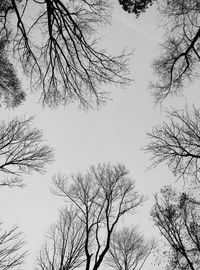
[115, 133]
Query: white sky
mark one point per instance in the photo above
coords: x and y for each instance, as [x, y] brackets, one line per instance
[115, 133]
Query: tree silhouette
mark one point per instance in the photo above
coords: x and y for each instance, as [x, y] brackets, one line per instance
[57, 47]
[101, 198]
[21, 151]
[176, 142]
[64, 247]
[178, 63]
[135, 6]
[11, 248]
[178, 221]
[128, 250]
[11, 94]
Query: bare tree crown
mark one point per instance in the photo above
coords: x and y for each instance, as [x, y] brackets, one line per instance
[64, 247]
[178, 63]
[59, 50]
[178, 221]
[128, 250]
[177, 143]
[101, 197]
[12, 252]
[21, 151]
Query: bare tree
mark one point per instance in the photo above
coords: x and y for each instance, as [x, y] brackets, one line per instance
[12, 244]
[21, 151]
[128, 250]
[178, 221]
[178, 63]
[101, 198]
[64, 248]
[177, 142]
[64, 60]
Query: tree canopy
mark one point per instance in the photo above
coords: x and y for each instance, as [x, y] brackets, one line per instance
[64, 246]
[12, 251]
[128, 250]
[11, 93]
[176, 143]
[176, 215]
[100, 198]
[135, 6]
[21, 151]
[177, 65]
[58, 49]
